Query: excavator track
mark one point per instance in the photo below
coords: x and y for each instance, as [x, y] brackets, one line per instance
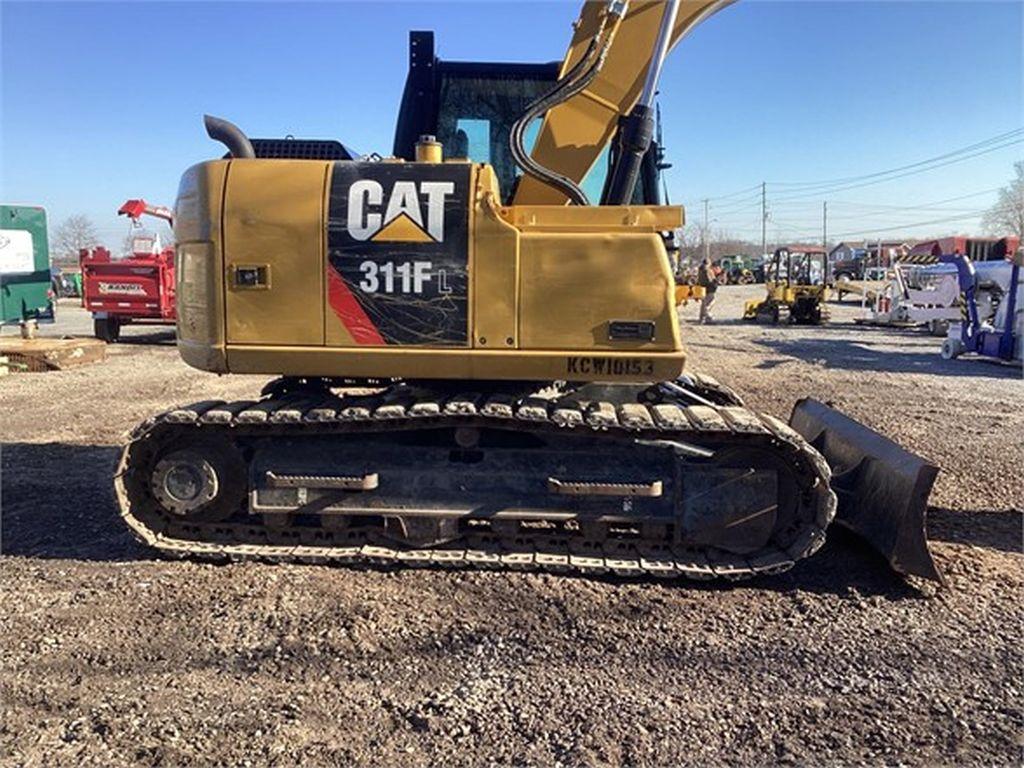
[605, 452]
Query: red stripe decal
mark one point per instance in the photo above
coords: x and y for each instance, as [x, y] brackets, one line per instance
[350, 312]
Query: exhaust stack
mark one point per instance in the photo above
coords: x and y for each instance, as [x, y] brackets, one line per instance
[230, 135]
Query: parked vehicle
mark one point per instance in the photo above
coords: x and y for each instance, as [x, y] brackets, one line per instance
[797, 288]
[25, 288]
[851, 261]
[851, 267]
[66, 283]
[137, 288]
[914, 295]
[993, 322]
[739, 270]
[522, 395]
[977, 249]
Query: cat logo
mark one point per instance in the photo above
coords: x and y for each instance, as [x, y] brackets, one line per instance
[401, 217]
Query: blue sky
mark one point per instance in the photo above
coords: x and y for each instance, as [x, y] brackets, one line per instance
[103, 101]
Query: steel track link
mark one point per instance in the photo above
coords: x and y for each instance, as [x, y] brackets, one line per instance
[398, 408]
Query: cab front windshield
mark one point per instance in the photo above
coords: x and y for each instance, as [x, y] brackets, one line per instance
[797, 268]
[807, 268]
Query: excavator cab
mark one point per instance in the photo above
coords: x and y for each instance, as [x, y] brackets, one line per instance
[796, 284]
[470, 107]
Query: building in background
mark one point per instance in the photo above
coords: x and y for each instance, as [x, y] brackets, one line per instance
[853, 258]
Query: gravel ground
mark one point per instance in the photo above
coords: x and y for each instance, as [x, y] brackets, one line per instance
[111, 656]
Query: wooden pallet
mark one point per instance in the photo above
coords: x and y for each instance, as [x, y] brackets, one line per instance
[37, 355]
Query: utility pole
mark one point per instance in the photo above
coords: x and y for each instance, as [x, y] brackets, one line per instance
[764, 221]
[707, 244]
[824, 224]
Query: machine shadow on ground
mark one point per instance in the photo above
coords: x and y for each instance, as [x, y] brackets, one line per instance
[58, 502]
[727, 321]
[844, 566]
[1001, 530]
[869, 354]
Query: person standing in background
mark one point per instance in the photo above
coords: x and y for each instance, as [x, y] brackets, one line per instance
[706, 279]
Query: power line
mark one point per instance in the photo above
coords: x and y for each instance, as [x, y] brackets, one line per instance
[737, 206]
[800, 230]
[922, 205]
[842, 222]
[805, 190]
[820, 193]
[749, 196]
[877, 210]
[873, 230]
[793, 227]
[736, 194]
[694, 202]
[1015, 133]
[734, 209]
[897, 215]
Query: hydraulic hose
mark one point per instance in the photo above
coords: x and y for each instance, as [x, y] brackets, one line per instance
[575, 81]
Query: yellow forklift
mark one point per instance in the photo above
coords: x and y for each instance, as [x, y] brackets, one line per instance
[797, 288]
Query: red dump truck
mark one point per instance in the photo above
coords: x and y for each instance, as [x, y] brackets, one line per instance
[135, 288]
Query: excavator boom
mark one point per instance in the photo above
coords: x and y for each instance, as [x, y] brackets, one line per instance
[576, 132]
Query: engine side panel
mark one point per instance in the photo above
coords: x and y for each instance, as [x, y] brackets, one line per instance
[575, 284]
[273, 243]
[415, 270]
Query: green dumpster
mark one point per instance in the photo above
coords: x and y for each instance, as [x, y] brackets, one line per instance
[25, 282]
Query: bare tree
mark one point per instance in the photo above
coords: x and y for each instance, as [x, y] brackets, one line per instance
[1006, 217]
[73, 234]
[720, 243]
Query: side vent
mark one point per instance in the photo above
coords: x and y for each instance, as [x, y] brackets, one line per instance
[300, 149]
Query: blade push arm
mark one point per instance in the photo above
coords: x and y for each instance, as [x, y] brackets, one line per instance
[575, 132]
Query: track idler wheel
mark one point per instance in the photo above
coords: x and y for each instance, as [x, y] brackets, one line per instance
[201, 482]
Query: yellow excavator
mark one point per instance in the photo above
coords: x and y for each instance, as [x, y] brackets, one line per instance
[476, 350]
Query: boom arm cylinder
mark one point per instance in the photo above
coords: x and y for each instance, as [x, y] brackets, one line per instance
[637, 130]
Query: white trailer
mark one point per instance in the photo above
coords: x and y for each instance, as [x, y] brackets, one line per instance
[915, 295]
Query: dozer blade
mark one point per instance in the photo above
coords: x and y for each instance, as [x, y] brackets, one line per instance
[882, 488]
